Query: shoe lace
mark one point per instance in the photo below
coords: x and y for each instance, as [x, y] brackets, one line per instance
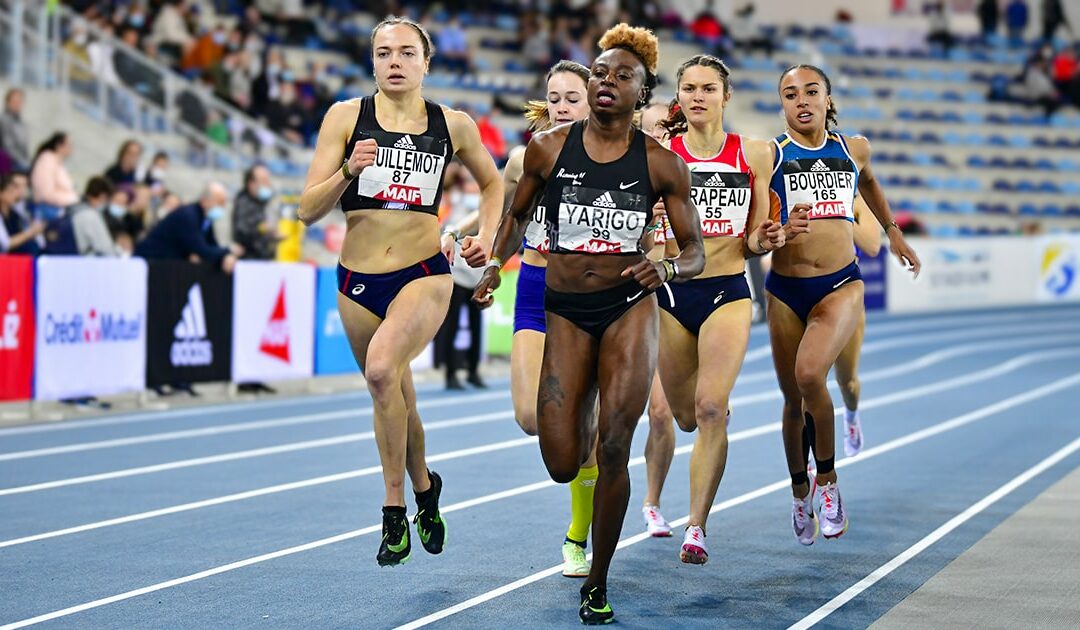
[828, 501]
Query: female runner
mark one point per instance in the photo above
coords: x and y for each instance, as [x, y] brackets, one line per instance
[384, 157]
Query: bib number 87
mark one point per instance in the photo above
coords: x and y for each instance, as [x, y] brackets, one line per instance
[400, 177]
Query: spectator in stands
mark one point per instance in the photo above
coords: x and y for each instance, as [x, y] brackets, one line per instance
[92, 237]
[207, 51]
[938, 33]
[1053, 18]
[170, 31]
[253, 227]
[266, 88]
[17, 234]
[706, 27]
[134, 73]
[491, 136]
[122, 172]
[1066, 74]
[138, 216]
[453, 46]
[988, 11]
[535, 43]
[80, 73]
[116, 214]
[1037, 89]
[285, 115]
[50, 181]
[169, 201]
[154, 177]
[14, 135]
[187, 233]
[464, 199]
[1016, 21]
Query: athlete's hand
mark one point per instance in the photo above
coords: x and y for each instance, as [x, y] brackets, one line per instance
[446, 245]
[798, 221]
[903, 252]
[476, 250]
[659, 210]
[648, 274]
[771, 235]
[483, 295]
[363, 155]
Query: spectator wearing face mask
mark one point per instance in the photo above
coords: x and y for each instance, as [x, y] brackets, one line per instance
[18, 235]
[187, 233]
[154, 177]
[14, 134]
[253, 227]
[91, 231]
[115, 215]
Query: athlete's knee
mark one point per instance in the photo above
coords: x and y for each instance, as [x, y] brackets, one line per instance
[561, 468]
[382, 376]
[711, 411]
[810, 377]
[793, 410]
[613, 449]
[659, 413]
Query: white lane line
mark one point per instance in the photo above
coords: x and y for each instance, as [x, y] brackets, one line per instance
[884, 570]
[251, 494]
[874, 328]
[248, 454]
[311, 418]
[736, 402]
[968, 418]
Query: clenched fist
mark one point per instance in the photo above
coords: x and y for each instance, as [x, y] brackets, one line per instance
[363, 155]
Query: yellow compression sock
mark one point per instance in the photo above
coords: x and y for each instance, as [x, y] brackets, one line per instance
[581, 503]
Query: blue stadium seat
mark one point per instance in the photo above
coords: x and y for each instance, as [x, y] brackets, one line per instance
[1003, 185]
[976, 161]
[1048, 187]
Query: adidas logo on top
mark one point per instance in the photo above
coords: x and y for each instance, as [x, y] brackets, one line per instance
[604, 201]
[715, 181]
[405, 143]
[819, 166]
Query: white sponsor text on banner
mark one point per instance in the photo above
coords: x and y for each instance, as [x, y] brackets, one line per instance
[273, 321]
[91, 326]
[963, 274]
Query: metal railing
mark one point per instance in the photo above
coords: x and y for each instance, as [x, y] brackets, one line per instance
[134, 91]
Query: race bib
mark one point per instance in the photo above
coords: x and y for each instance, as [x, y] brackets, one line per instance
[827, 184]
[536, 231]
[407, 170]
[601, 221]
[722, 201]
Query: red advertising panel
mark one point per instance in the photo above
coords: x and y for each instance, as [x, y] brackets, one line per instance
[16, 327]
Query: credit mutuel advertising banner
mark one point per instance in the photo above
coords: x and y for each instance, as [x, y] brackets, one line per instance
[91, 326]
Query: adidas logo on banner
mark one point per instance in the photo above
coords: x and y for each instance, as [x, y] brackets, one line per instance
[190, 347]
[604, 201]
[819, 166]
[715, 181]
[405, 143]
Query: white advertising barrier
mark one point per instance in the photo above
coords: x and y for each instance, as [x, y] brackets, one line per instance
[273, 321]
[965, 273]
[1058, 260]
[91, 326]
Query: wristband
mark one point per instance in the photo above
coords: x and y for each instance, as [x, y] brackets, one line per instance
[764, 249]
[454, 233]
[345, 170]
[892, 224]
[495, 262]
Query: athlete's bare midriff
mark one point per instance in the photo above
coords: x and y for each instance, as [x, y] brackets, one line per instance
[534, 258]
[381, 241]
[827, 248]
[587, 273]
[723, 257]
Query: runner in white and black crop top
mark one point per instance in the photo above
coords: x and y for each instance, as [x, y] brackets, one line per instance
[384, 157]
[598, 180]
[408, 169]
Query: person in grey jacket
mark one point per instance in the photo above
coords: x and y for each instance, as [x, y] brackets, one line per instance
[14, 135]
[92, 235]
[252, 227]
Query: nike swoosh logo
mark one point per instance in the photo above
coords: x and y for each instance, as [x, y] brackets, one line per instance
[425, 535]
[718, 298]
[837, 285]
[634, 297]
[625, 186]
[398, 548]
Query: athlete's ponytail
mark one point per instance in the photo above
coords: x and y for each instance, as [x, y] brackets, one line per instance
[831, 114]
[536, 112]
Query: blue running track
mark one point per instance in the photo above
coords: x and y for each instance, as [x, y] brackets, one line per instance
[267, 515]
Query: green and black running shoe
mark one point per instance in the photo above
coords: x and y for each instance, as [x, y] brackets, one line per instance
[430, 525]
[396, 547]
[595, 610]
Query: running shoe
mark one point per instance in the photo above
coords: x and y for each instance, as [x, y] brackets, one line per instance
[595, 609]
[655, 523]
[804, 520]
[833, 517]
[853, 441]
[430, 525]
[693, 546]
[574, 563]
[396, 548]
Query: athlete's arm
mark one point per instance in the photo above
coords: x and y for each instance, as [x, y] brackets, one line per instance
[871, 191]
[867, 231]
[671, 178]
[325, 182]
[471, 152]
[539, 156]
[471, 222]
[763, 235]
